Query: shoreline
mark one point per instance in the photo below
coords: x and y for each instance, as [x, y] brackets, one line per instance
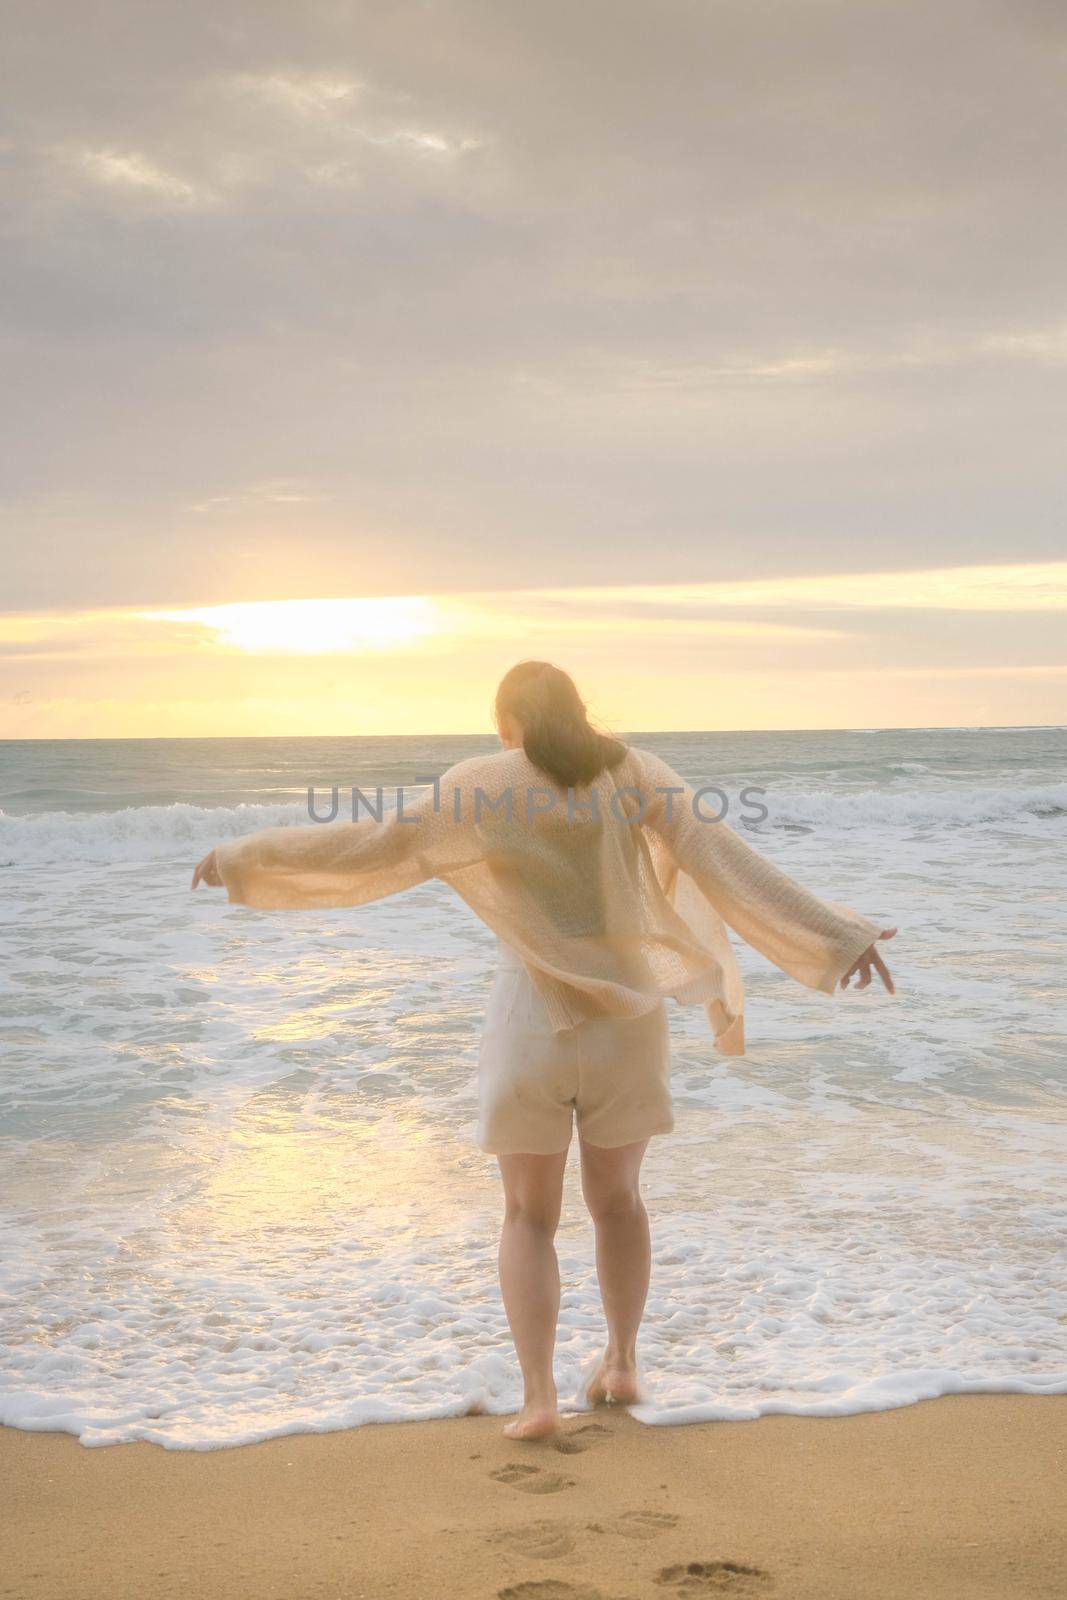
[954, 1498]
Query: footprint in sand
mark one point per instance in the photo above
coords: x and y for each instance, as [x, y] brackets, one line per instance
[643, 1524]
[579, 1439]
[530, 1479]
[694, 1580]
[541, 1541]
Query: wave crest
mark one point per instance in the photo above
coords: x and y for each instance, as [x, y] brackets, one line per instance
[162, 833]
[916, 808]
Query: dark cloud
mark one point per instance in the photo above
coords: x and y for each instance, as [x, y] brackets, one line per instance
[512, 293]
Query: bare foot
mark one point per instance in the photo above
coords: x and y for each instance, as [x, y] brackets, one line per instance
[534, 1422]
[615, 1382]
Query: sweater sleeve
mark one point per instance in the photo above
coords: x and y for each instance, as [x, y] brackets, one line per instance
[814, 941]
[346, 863]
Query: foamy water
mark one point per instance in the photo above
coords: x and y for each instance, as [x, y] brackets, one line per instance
[239, 1191]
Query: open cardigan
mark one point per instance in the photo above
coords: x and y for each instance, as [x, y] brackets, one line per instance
[615, 894]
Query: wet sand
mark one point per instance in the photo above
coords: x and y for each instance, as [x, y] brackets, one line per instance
[959, 1498]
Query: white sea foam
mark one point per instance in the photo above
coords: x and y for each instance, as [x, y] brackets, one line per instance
[136, 833]
[159, 833]
[954, 807]
[247, 1313]
[241, 1197]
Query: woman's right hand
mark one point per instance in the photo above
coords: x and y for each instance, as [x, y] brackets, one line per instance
[870, 958]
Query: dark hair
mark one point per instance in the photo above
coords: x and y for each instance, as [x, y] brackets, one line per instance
[556, 733]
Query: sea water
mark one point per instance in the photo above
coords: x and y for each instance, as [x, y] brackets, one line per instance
[239, 1194]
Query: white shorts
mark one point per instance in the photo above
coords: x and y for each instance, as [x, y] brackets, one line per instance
[613, 1072]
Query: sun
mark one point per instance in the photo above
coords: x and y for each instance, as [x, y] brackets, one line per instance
[313, 627]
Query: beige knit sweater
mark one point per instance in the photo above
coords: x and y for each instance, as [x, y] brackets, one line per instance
[614, 894]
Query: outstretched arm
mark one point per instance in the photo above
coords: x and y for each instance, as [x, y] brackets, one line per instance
[338, 863]
[329, 864]
[819, 943]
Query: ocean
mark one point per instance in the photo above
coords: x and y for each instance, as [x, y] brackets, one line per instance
[239, 1195]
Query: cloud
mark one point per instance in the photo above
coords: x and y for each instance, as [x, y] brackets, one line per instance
[132, 173]
[676, 293]
[925, 647]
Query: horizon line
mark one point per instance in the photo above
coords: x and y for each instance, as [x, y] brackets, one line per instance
[659, 733]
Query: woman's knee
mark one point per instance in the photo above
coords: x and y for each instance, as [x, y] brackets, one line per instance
[540, 1213]
[608, 1200]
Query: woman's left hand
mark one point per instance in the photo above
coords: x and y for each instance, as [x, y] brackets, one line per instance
[870, 958]
[207, 871]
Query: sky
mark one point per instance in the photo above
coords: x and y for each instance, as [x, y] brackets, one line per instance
[715, 350]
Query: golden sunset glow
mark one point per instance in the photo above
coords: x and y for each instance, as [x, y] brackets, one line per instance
[274, 1169]
[312, 627]
[988, 649]
[351, 371]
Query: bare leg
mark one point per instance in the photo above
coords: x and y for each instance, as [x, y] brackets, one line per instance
[529, 1282]
[611, 1186]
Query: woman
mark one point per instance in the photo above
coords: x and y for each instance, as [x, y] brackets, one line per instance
[609, 886]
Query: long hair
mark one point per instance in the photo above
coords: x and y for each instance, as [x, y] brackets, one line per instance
[556, 733]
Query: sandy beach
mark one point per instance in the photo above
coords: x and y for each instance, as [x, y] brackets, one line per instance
[953, 1499]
